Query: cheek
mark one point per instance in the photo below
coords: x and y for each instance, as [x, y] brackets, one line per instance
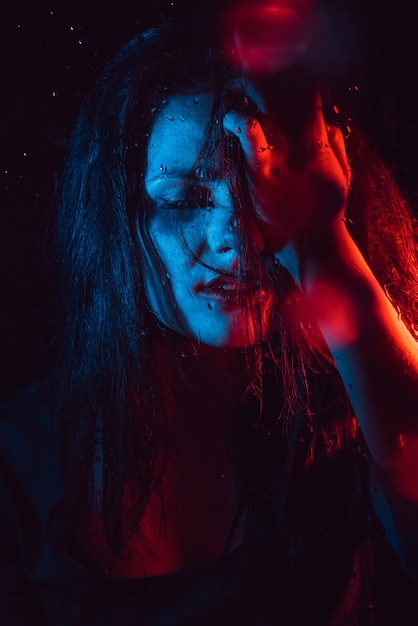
[177, 238]
[162, 269]
[164, 238]
[172, 279]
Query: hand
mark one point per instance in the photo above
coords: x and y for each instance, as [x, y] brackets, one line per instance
[298, 174]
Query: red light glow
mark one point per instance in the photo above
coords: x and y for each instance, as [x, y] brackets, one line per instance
[267, 37]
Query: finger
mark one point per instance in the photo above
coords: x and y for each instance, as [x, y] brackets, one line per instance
[316, 128]
[318, 117]
[248, 130]
[337, 144]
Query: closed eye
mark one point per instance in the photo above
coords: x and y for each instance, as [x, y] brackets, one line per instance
[195, 197]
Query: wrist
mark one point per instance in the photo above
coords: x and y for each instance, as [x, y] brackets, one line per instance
[319, 250]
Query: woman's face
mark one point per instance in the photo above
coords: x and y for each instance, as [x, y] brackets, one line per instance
[198, 244]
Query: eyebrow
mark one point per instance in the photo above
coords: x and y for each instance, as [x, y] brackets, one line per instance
[194, 191]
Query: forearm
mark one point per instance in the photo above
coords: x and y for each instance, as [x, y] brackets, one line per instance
[376, 355]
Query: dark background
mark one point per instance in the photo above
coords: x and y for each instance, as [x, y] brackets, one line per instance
[50, 56]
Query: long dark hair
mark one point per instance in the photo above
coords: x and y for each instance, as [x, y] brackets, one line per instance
[104, 379]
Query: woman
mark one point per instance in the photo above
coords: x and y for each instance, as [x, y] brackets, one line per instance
[226, 370]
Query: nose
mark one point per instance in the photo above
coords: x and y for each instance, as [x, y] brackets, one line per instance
[222, 231]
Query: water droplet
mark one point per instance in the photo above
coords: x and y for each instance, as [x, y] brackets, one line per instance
[170, 118]
[163, 168]
[168, 275]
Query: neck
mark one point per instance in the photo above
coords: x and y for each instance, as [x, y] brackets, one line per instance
[204, 380]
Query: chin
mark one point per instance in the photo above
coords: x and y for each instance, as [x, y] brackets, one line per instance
[238, 335]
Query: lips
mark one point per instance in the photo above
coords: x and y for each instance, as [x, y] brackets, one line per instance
[224, 288]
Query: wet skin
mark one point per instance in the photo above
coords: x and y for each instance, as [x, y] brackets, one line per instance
[207, 299]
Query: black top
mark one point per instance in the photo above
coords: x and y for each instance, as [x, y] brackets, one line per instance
[45, 584]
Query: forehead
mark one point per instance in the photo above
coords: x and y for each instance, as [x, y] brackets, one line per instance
[177, 135]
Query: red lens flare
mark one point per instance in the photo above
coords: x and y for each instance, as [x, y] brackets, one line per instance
[267, 37]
